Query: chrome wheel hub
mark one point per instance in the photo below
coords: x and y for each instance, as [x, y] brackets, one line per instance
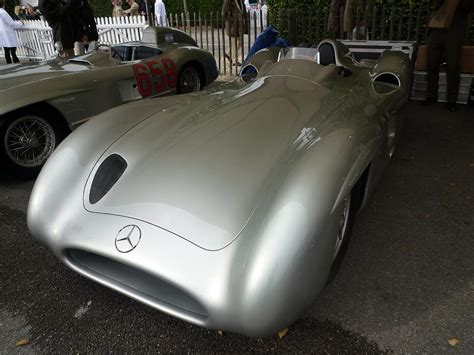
[29, 141]
[190, 80]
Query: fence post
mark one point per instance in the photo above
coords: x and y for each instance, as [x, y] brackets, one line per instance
[218, 41]
[392, 23]
[200, 28]
[400, 26]
[417, 32]
[428, 16]
[249, 29]
[357, 24]
[223, 45]
[292, 27]
[195, 28]
[382, 24]
[374, 23]
[410, 20]
[341, 22]
[254, 19]
[326, 32]
[318, 33]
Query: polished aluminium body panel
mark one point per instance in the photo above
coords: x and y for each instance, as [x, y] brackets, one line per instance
[237, 191]
[92, 83]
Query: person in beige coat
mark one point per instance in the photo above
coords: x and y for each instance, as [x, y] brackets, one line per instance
[235, 17]
[343, 18]
[117, 10]
[133, 10]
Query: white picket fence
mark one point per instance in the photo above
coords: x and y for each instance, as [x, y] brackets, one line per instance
[35, 38]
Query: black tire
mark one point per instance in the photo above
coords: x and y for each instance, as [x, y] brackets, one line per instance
[28, 138]
[189, 80]
[345, 230]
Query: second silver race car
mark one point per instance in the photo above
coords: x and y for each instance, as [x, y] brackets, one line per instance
[41, 103]
[228, 208]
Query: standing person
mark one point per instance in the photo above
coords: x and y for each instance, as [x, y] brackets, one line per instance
[447, 31]
[31, 13]
[90, 25]
[349, 18]
[336, 11]
[133, 10]
[356, 18]
[61, 18]
[235, 16]
[19, 13]
[160, 14]
[87, 35]
[7, 34]
[147, 7]
[117, 10]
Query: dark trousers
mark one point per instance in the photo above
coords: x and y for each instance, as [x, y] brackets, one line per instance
[10, 53]
[443, 45]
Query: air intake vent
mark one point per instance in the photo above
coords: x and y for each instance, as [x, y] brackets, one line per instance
[139, 284]
[106, 176]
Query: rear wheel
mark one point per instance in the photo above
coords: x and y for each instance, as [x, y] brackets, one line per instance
[28, 139]
[189, 80]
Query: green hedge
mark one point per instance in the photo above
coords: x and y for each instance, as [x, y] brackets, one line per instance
[204, 6]
[394, 19]
[303, 6]
[102, 8]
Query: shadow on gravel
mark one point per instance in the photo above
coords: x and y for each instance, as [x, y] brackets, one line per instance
[68, 313]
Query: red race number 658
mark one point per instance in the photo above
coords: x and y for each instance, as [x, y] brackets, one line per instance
[151, 80]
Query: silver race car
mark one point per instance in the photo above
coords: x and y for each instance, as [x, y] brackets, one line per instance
[41, 103]
[228, 208]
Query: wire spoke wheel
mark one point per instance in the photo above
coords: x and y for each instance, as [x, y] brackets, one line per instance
[29, 141]
[343, 225]
[189, 80]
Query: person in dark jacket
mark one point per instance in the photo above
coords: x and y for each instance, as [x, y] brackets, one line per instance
[61, 18]
[86, 34]
[445, 44]
[89, 25]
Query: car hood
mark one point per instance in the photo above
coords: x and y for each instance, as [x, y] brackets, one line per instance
[22, 74]
[198, 169]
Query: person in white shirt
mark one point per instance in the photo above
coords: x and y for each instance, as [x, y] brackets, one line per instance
[7, 34]
[160, 13]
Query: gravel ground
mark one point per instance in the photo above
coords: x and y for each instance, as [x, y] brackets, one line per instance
[406, 285]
